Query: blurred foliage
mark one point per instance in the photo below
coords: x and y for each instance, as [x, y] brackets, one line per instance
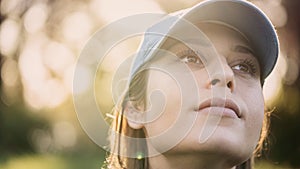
[53, 161]
[16, 127]
[285, 137]
[77, 162]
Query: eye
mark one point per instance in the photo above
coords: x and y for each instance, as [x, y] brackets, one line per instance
[241, 67]
[189, 57]
[245, 66]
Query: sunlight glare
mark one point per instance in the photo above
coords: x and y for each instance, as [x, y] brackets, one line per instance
[68, 78]
[85, 76]
[57, 57]
[64, 135]
[40, 88]
[77, 26]
[9, 72]
[275, 11]
[273, 84]
[9, 36]
[35, 18]
[114, 9]
[8, 6]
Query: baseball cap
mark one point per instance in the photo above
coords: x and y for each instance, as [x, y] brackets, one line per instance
[239, 14]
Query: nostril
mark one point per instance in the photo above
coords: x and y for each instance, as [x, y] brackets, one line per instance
[229, 85]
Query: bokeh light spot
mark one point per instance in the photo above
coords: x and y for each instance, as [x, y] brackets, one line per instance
[9, 72]
[9, 36]
[35, 17]
[85, 76]
[77, 26]
[64, 134]
[103, 8]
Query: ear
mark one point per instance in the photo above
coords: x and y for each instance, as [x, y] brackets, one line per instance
[133, 117]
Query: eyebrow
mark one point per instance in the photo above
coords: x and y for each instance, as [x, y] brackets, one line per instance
[242, 49]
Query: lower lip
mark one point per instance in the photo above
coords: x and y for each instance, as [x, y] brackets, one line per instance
[219, 111]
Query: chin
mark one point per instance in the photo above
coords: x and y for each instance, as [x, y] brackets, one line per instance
[235, 148]
[226, 143]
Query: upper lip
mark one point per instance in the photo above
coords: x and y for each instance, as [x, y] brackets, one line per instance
[218, 102]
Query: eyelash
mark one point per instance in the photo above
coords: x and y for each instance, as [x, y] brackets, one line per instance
[188, 53]
[249, 63]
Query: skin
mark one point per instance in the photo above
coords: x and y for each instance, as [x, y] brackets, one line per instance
[235, 136]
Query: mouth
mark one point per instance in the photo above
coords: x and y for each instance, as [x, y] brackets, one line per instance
[223, 107]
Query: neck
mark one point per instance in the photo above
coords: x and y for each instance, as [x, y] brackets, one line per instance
[190, 161]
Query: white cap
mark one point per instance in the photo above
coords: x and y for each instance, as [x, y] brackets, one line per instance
[240, 14]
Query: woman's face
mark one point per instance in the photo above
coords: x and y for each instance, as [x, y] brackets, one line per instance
[238, 122]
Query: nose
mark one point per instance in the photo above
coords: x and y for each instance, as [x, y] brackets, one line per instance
[221, 76]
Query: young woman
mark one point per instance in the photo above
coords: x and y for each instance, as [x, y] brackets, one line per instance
[194, 98]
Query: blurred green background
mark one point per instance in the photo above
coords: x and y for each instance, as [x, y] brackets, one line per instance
[40, 41]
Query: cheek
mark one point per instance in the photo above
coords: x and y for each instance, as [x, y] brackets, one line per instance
[255, 105]
[251, 93]
[169, 90]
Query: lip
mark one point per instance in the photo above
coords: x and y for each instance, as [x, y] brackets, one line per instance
[228, 106]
